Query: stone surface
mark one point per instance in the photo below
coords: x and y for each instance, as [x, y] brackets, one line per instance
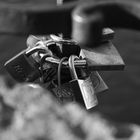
[30, 112]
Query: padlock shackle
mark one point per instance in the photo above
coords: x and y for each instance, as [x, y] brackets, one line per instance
[72, 67]
[60, 40]
[59, 70]
[34, 50]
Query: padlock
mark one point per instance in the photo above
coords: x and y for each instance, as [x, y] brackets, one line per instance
[22, 67]
[62, 91]
[64, 94]
[68, 46]
[83, 89]
[98, 83]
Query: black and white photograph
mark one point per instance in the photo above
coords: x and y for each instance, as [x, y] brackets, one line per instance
[69, 69]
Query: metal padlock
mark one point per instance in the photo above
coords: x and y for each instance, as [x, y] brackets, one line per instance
[62, 91]
[22, 67]
[68, 46]
[64, 94]
[83, 89]
[98, 83]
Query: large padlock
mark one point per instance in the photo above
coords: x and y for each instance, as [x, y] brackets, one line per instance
[83, 89]
[22, 67]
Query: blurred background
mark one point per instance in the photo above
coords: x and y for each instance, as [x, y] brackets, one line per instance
[122, 101]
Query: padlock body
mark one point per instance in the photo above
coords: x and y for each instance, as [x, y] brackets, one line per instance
[64, 93]
[98, 83]
[22, 68]
[84, 92]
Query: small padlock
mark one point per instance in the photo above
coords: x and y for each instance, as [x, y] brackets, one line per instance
[22, 67]
[62, 91]
[83, 89]
[98, 83]
[64, 94]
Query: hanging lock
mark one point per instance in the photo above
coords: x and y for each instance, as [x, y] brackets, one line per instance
[83, 89]
[98, 83]
[67, 46]
[22, 67]
[62, 91]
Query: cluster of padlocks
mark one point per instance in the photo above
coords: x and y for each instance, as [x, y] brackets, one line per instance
[67, 70]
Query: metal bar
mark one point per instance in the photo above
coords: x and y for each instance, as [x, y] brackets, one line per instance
[77, 63]
[85, 64]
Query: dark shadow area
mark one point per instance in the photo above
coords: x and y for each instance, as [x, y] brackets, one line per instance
[121, 102]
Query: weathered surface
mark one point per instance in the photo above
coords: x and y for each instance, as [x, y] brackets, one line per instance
[104, 57]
